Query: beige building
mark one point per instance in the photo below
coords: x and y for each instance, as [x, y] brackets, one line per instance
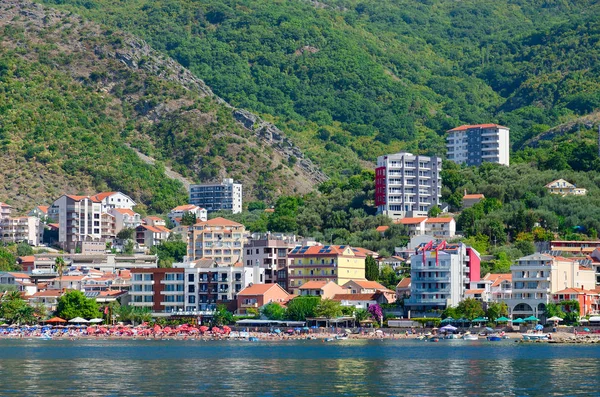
[336, 263]
[324, 289]
[125, 218]
[218, 239]
[79, 219]
[21, 229]
[564, 188]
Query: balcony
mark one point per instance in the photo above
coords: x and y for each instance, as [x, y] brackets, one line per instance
[141, 293]
[249, 305]
[422, 280]
[172, 292]
[171, 282]
[531, 278]
[142, 304]
[182, 304]
[142, 282]
[414, 300]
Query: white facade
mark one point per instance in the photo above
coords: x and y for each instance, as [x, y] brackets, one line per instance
[441, 227]
[407, 185]
[178, 212]
[440, 282]
[476, 144]
[269, 254]
[112, 200]
[22, 229]
[224, 196]
[79, 218]
[206, 283]
[125, 219]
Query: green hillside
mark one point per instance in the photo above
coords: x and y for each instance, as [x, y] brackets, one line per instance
[349, 80]
[75, 99]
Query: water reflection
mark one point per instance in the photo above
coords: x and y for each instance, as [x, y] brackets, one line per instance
[352, 368]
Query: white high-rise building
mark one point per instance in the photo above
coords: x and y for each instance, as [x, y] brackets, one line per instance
[407, 185]
[223, 196]
[79, 219]
[476, 144]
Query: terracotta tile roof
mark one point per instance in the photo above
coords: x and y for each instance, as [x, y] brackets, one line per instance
[270, 210]
[19, 275]
[47, 294]
[439, 220]
[258, 289]
[54, 225]
[155, 229]
[473, 196]
[43, 208]
[5, 205]
[124, 211]
[219, 221]
[355, 297]
[366, 284]
[101, 196]
[27, 258]
[474, 291]
[382, 229]
[498, 278]
[404, 283]
[76, 198]
[155, 218]
[69, 278]
[327, 250]
[468, 127]
[186, 207]
[313, 285]
[411, 221]
[578, 291]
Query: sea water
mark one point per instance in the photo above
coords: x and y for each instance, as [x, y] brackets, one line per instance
[296, 368]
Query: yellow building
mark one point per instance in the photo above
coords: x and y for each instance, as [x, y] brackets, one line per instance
[218, 239]
[339, 264]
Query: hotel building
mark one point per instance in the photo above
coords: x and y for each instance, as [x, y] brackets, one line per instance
[218, 239]
[224, 196]
[407, 185]
[476, 144]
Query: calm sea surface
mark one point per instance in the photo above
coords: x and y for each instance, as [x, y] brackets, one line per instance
[302, 368]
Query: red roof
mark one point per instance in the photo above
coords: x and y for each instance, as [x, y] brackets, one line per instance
[411, 221]
[473, 196]
[186, 207]
[43, 208]
[474, 291]
[578, 291]
[219, 221]
[382, 229]
[102, 196]
[439, 220]
[468, 127]
[314, 284]
[318, 250]
[404, 283]
[125, 211]
[366, 284]
[259, 289]
[355, 297]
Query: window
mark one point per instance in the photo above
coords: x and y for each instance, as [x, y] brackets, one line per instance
[191, 278]
[192, 289]
[192, 299]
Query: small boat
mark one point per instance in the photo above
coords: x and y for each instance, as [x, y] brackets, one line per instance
[494, 338]
[253, 339]
[45, 337]
[328, 340]
[534, 336]
[341, 337]
[470, 337]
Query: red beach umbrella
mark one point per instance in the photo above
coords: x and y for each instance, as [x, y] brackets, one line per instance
[203, 328]
[226, 329]
[215, 330]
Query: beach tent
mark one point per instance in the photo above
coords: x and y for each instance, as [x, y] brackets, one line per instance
[479, 320]
[448, 328]
[518, 321]
[555, 318]
[447, 320]
[56, 320]
[532, 319]
[79, 320]
[503, 320]
[96, 320]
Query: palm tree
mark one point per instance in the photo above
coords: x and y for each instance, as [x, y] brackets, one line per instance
[59, 262]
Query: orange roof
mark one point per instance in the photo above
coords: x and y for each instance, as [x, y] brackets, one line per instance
[5, 205]
[162, 228]
[219, 221]
[474, 291]
[575, 291]
[124, 211]
[411, 221]
[468, 127]
[76, 198]
[382, 228]
[439, 220]
[54, 225]
[186, 207]
[498, 278]
[314, 285]
[366, 284]
[355, 297]
[259, 289]
[155, 229]
[404, 283]
[43, 208]
[19, 275]
[270, 210]
[69, 278]
[102, 196]
[48, 293]
[319, 250]
[473, 196]
[155, 218]
[27, 258]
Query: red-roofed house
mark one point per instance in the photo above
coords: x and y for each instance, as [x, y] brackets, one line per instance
[48, 298]
[41, 211]
[475, 144]
[415, 226]
[178, 212]
[382, 229]
[403, 288]
[589, 302]
[470, 200]
[5, 210]
[258, 295]
[149, 236]
[441, 227]
[125, 218]
[27, 262]
[324, 289]
[360, 301]
[370, 287]
[67, 282]
[112, 200]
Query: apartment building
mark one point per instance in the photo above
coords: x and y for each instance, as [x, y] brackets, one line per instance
[41, 211]
[218, 239]
[223, 196]
[337, 263]
[476, 144]
[438, 227]
[160, 290]
[149, 236]
[26, 229]
[269, 254]
[208, 283]
[112, 200]
[589, 300]
[407, 185]
[257, 295]
[44, 263]
[178, 212]
[125, 218]
[440, 276]
[536, 277]
[5, 210]
[79, 219]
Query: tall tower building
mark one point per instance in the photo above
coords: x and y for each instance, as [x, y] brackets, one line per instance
[476, 144]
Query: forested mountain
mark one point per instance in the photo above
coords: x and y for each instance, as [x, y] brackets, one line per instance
[75, 98]
[349, 80]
